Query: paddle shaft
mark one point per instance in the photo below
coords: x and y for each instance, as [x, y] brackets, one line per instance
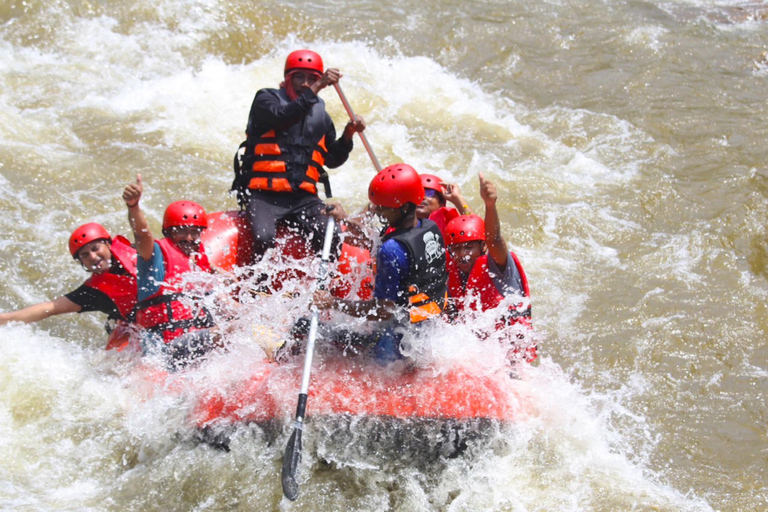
[313, 323]
[292, 455]
[353, 118]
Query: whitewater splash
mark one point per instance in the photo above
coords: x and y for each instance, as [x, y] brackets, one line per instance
[145, 88]
[104, 419]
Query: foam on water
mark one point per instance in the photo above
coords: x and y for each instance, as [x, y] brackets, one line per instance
[103, 97]
[90, 413]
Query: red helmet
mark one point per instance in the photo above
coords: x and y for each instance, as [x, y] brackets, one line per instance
[395, 186]
[303, 59]
[465, 228]
[184, 213]
[86, 234]
[432, 181]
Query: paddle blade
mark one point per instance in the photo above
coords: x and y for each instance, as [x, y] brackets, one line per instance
[291, 459]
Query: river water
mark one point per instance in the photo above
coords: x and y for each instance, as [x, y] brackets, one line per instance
[627, 139]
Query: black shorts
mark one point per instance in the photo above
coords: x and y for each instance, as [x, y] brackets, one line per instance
[300, 212]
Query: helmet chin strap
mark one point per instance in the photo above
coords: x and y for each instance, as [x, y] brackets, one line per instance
[407, 214]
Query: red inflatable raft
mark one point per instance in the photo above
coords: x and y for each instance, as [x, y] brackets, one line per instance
[342, 386]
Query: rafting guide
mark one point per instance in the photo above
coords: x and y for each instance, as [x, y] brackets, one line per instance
[290, 139]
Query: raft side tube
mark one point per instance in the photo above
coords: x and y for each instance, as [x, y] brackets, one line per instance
[229, 244]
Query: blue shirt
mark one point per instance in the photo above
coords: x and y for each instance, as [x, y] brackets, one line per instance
[393, 263]
[150, 274]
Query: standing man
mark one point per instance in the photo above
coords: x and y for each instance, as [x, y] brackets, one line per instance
[290, 138]
[111, 288]
[411, 277]
[174, 322]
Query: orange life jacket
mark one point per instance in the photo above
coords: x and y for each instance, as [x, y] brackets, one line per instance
[268, 155]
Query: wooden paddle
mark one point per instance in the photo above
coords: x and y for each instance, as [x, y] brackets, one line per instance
[353, 118]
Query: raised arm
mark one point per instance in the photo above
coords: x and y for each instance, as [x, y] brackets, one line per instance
[453, 194]
[145, 242]
[497, 247]
[40, 311]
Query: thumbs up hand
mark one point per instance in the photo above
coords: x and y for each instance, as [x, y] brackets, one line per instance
[132, 193]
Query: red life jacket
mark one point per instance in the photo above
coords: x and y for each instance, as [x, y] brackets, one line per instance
[163, 312]
[480, 285]
[120, 288]
[442, 216]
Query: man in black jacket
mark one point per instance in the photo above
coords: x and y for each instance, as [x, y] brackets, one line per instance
[290, 139]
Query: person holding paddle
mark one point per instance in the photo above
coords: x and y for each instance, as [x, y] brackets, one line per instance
[411, 275]
[290, 139]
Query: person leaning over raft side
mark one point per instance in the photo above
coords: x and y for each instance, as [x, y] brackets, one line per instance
[170, 325]
[290, 138]
[411, 276]
[483, 268]
[111, 288]
[436, 195]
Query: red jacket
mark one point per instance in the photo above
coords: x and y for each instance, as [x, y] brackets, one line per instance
[442, 216]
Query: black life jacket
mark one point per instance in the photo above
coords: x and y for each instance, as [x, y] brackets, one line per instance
[423, 290]
[284, 159]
